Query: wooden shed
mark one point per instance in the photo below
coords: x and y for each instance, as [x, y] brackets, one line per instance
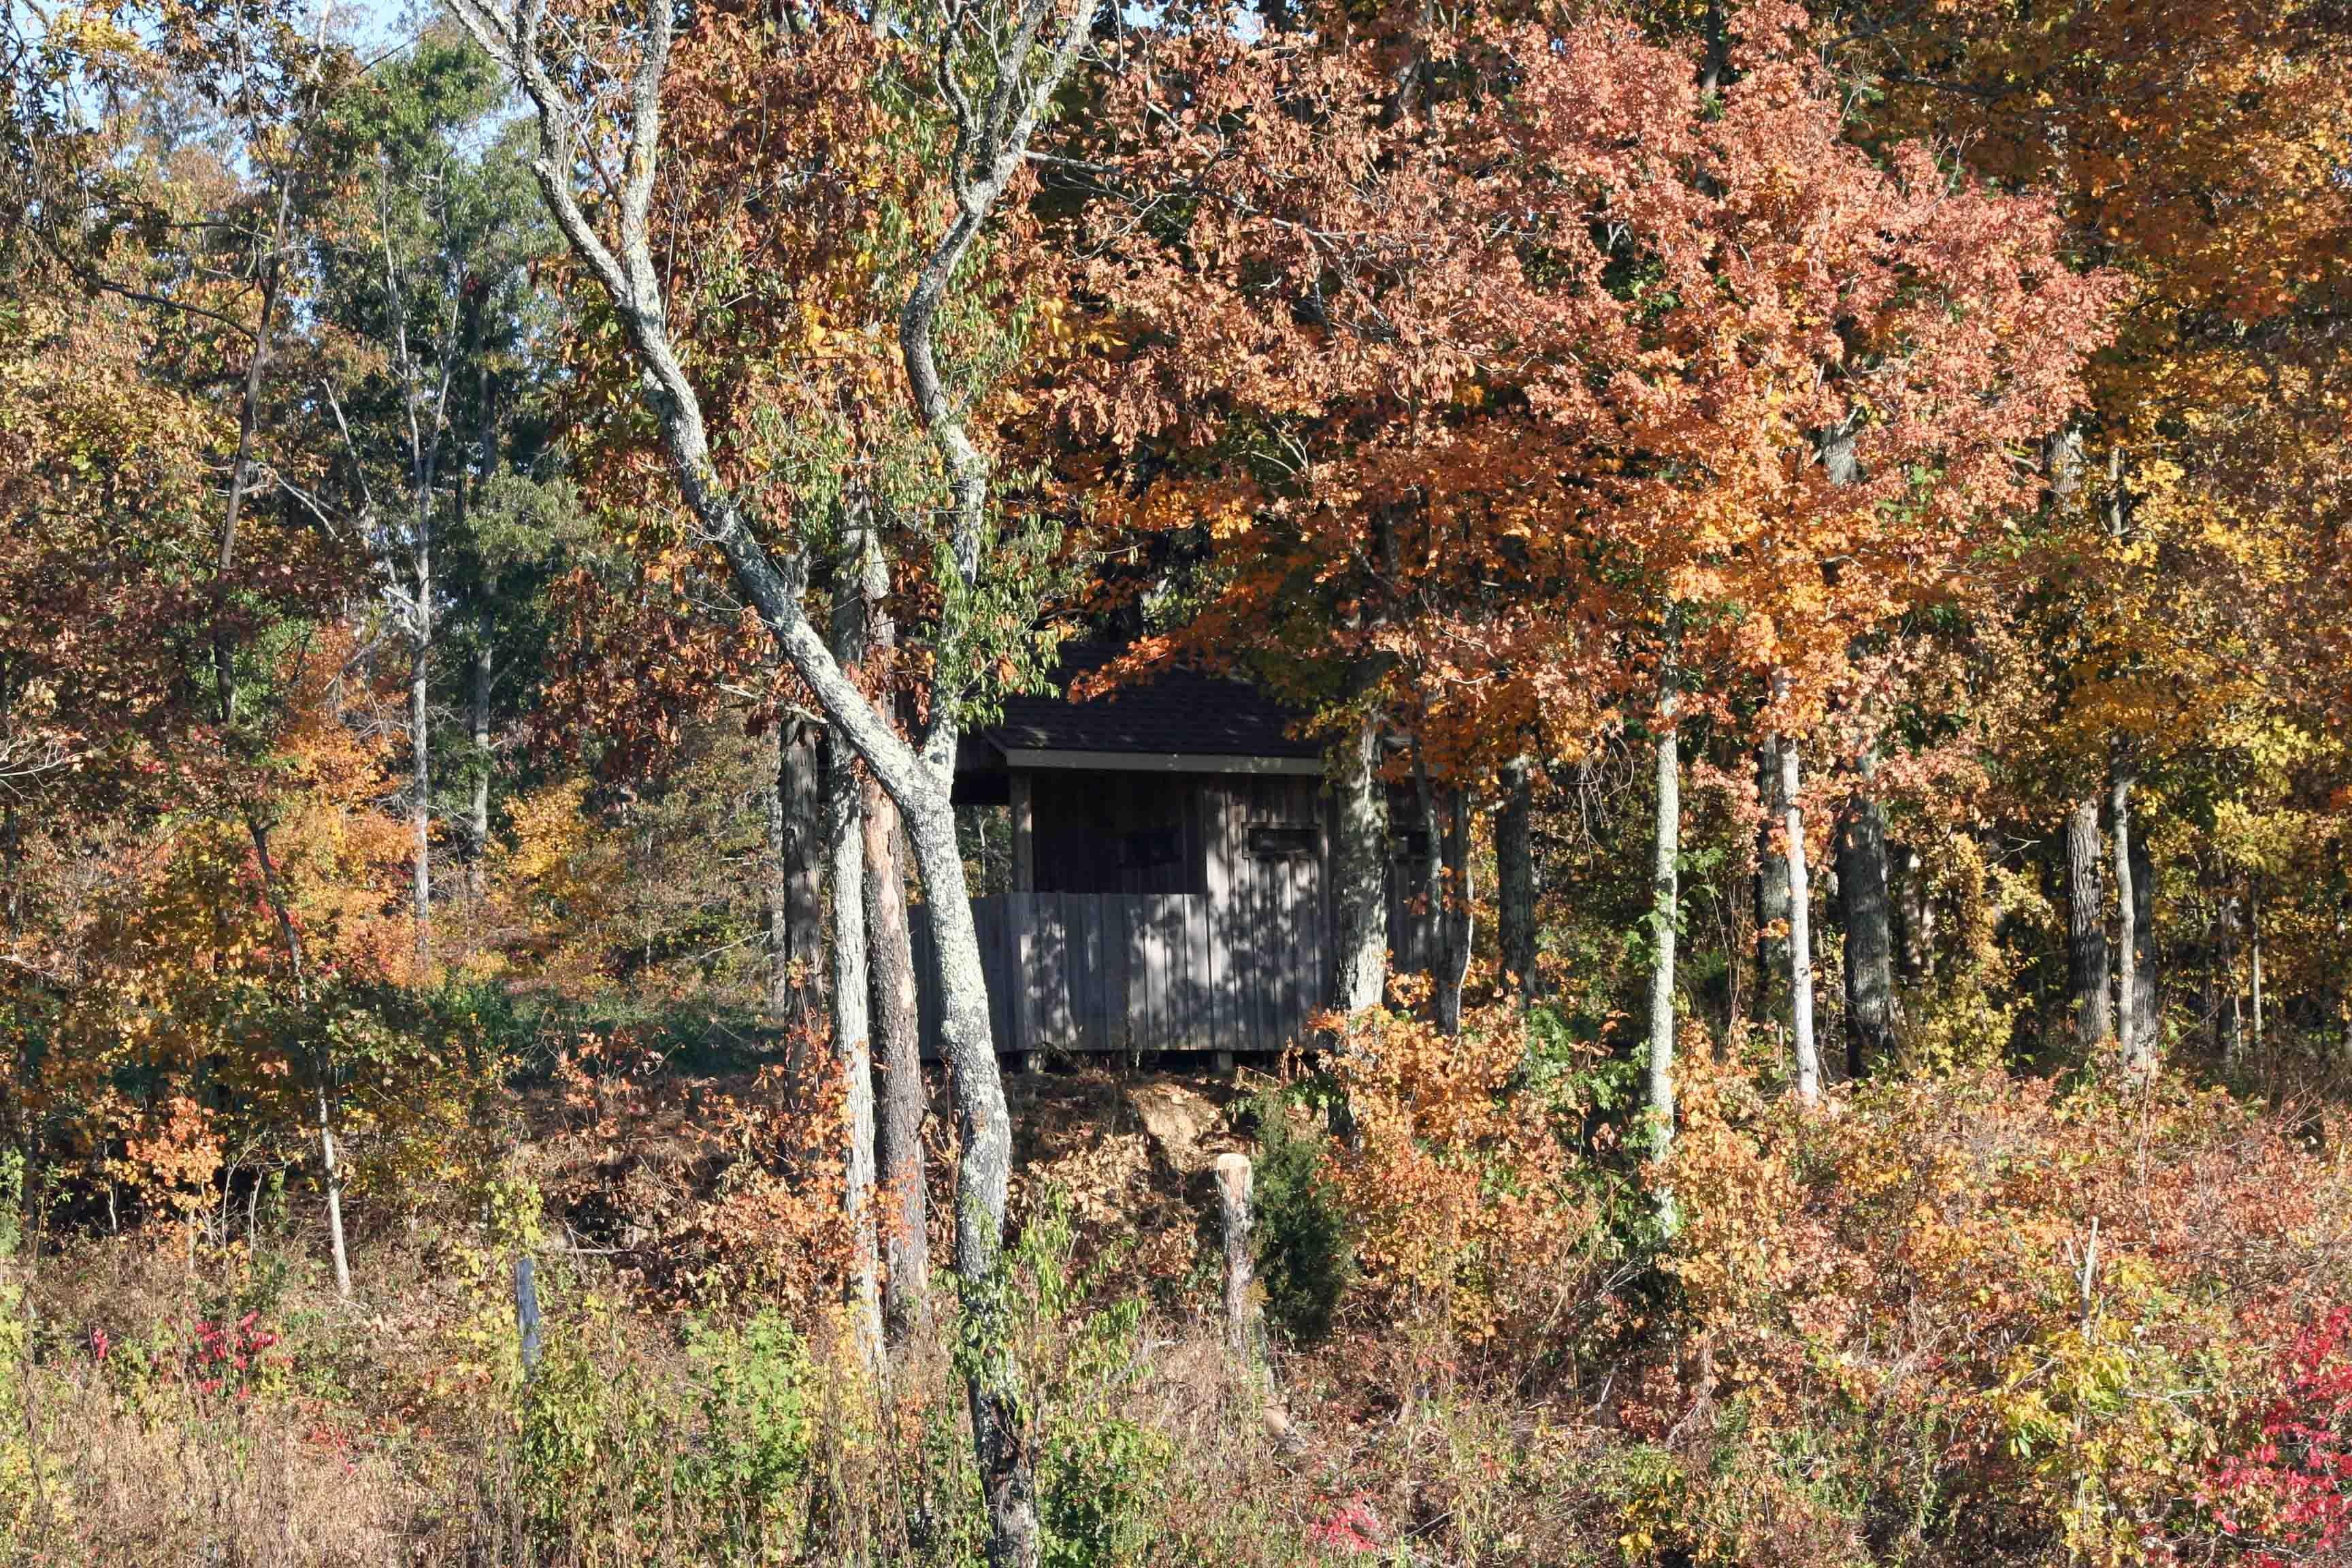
[1166, 886]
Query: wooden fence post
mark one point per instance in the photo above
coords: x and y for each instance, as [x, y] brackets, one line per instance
[526, 1300]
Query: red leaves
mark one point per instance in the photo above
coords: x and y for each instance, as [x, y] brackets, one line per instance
[2288, 1496]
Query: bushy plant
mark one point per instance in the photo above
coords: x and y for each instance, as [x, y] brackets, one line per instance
[1304, 1254]
[1470, 1209]
[758, 1426]
[1101, 1475]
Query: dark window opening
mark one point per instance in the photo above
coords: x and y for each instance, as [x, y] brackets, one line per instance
[1274, 843]
[1153, 847]
[1410, 843]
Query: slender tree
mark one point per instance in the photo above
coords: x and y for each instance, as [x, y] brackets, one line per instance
[998, 70]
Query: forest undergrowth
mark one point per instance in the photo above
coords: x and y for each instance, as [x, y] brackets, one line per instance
[1961, 1318]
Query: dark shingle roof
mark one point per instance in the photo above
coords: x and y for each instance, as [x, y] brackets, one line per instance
[1174, 710]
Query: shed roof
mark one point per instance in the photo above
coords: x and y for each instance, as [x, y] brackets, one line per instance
[1176, 720]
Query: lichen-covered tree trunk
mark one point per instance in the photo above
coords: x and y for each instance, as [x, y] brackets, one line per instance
[903, 1218]
[852, 1059]
[1797, 887]
[1515, 877]
[796, 848]
[2086, 928]
[1359, 824]
[1871, 1006]
[1664, 898]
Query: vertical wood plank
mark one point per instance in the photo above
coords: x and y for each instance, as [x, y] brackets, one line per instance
[1094, 1027]
[1025, 844]
[1147, 915]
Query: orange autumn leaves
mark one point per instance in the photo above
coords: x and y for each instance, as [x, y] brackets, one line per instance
[1514, 376]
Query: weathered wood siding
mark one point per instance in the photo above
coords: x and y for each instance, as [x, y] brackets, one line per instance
[1145, 971]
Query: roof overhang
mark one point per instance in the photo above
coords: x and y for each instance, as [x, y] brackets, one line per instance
[1157, 762]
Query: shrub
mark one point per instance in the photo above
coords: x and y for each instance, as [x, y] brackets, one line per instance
[2283, 1492]
[1304, 1255]
[754, 1381]
[1470, 1209]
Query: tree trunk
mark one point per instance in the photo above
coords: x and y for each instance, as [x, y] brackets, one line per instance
[1915, 917]
[2148, 1017]
[796, 830]
[478, 822]
[2254, 954]
[2086, 929]
[1664, 895]
[420, 783]
[1772, 883]
[1514, 878]
[2230, 1017]
[903, 1221]
[1797, 888]
[330, 1167]
[1445, 887]
[983, 1173]
[2138, 1048]
[1459, 920]
[853, 1060]
[993, 126]
[1431, 897]
[1871, 1012]
[1358, 826]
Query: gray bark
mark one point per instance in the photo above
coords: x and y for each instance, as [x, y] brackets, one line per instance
[1798, 890]
[852, 1040]
[1444, 888]
[1514, 878]
[1915, 914]
[330, 1168]
[2138, 1048]
[1870, 1006]
[795, 904]
[1358, 828]
[2086, 928]
[1664, 897]
[477, 819]
[1457, 921]
[852, 1055]
[1771, 882]
[420, 783]
[904, 1219]
[2147, 1015]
